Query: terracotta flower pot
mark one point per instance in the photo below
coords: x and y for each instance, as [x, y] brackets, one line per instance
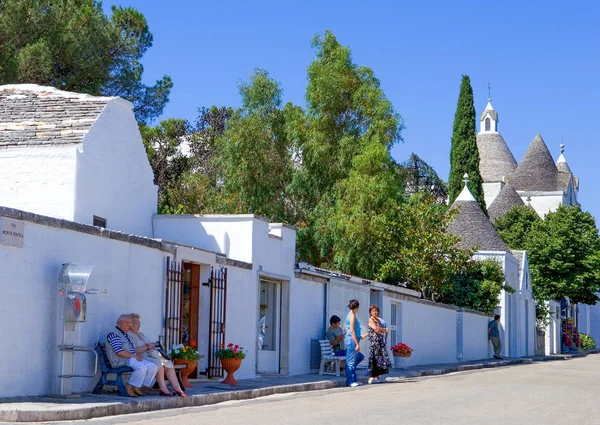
[191, 366]
[230, 366]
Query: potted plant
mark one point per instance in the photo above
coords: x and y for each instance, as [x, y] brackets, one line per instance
[231, 359]
[402, 353]
[186, 355]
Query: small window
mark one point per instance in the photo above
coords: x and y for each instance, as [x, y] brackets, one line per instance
[487, 124]
[99, 221]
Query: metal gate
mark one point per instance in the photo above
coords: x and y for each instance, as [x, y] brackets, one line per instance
[173, 304]
[218, 295]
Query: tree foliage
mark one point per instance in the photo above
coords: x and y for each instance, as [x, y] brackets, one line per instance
[515, 226]
[350, 129]
[255, 152]
[163, 147]
[326, 169]
[477, 287]
[72, 45]
[563, 251]
[420, 177]
[425, 256]
[464, 155]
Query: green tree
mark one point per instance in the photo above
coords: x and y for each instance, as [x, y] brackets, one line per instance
[168, 163]
[424, 256]
[420, 177]
[72, 45]
[564, 255]
[348, 116]
[515, 226]
[478, 287]
[352, 230]
[255, 155]
[464, 156]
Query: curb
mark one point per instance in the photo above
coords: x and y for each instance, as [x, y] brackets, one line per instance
[98, 409]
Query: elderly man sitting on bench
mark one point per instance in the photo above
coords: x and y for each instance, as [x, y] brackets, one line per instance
[121, 352]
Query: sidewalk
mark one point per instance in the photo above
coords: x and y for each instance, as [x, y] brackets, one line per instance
[45, 409]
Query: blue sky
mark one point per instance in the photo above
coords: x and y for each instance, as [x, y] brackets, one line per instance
[542, 59]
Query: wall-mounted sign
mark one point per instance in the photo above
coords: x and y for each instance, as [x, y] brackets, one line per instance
[12, 232]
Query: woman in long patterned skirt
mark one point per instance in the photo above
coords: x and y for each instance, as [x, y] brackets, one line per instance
[379, 361]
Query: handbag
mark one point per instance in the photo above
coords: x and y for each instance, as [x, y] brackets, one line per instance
[155, 353]
[163, 353]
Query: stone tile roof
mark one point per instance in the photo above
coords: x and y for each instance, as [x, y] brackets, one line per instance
[496, 161]
[474, 229]
[537, 170]
[504, 202]
[32, 115]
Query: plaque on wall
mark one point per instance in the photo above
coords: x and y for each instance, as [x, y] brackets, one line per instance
[12, 232]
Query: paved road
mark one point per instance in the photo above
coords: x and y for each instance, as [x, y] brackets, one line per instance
[549, 393]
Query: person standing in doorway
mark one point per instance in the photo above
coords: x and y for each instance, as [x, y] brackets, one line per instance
[494, 336]
[352, 340]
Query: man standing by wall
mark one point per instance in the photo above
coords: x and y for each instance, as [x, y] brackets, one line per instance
[494, 336]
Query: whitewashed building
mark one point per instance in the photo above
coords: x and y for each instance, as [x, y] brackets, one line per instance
[538, 180]
[77, 186]
[76, 157]
[517, 310]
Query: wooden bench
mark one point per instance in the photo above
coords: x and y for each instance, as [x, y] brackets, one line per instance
[107, 369]
[330, 363]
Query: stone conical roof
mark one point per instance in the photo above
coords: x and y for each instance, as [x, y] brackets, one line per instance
[496, 161]
[537, 170]
[473, 227]
[504, 202]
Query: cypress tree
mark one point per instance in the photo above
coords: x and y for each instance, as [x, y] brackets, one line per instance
[464, 156]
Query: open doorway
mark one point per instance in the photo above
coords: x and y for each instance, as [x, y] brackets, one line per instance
[269, 326]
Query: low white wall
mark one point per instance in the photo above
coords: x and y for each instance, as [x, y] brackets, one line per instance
[475, 337]
[134, 275]
[430, 331]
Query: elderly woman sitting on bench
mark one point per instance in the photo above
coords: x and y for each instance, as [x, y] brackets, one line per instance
[150, 353]
[120, 351]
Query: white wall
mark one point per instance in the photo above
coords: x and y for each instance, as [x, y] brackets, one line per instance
[228, 234]
[595, 323]
[430, 331]
[241, 325]
[491, 191]
[543, 204]
[307, 318]
[553, 330]
[475, 337]
[40, 180]
[133, 274]
[114, 178]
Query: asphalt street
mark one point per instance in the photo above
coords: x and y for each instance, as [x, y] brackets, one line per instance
[557, 392]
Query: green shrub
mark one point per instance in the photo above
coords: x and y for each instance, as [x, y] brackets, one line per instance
[587, 342]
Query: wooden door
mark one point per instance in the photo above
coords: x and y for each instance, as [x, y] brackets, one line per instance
[190, 306]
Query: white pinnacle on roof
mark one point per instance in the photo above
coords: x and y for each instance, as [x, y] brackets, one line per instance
[561, 163]
[465, 194]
